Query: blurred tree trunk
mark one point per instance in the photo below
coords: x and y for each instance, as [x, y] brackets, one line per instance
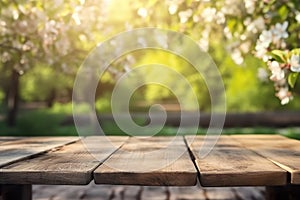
[51, 98]
[13, 98]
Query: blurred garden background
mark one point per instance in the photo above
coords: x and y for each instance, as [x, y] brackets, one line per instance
[43, 44]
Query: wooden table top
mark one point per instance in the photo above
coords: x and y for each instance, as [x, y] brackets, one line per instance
[237, 160]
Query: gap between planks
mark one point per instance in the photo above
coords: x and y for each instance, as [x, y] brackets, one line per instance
[230, 164]
[26, 147]
[282, 151]
[155, 161]
[70, 165]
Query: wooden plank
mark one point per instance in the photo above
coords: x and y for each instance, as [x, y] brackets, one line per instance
[8, 139]
[15, 150]
[280, 150]
[230, 164]
[71, 164]
[152, 161]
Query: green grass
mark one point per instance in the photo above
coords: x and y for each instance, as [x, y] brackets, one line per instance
[38, 123]
[48, 122]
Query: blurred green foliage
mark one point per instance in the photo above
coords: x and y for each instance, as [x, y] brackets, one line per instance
[49, 73]
[39, 83]
[52, 81]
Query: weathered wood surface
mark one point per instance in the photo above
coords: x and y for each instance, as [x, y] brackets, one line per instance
[15, 150]
[71, 164]
[230, 164]
[280, 150]
[245, 160]
[149, 161]
[9, 139]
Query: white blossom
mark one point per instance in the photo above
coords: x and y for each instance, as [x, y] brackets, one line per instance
[231, 7]
[185, 15]
[245, 47]
[142, 12]
[277, 72]
[284, 95]
[15, 14]
[279, 31]
[247, 21]
[173, 9]
[285, 100]
[256, 25]
[196, 18]
[208, 14]
[76, 18]
[220, 18]
[266, 38]
[243, 37]
[27, 46]
[262, 44]
[24, 60]
[5, 57]
[298, 17]
[51, 27]
[295, 63]
[237, 57]
[2, 23]
[260, 49]
[227, 33]
[82, 37]
[250, 6]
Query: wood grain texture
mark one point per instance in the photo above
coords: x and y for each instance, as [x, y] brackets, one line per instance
[154, 161]
[15, 150]
[7, 139]
[230, 164]
[280, 150]
[71, 164]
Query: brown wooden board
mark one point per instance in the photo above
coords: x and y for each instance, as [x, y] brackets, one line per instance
[280, 150]
[71, 164]
[230, 164]
[9, 139]
[153, 161]
[15, 150]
